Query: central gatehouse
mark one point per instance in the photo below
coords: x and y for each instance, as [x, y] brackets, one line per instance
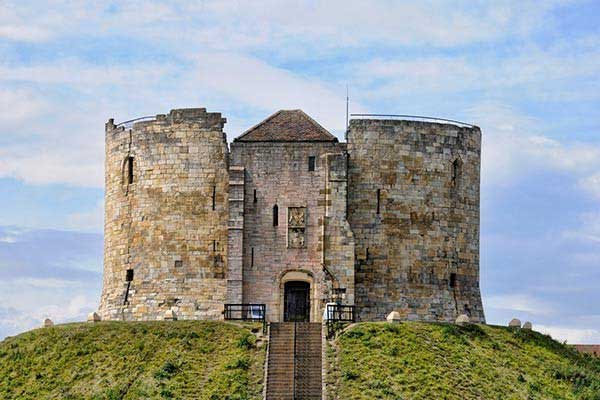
[289, 217]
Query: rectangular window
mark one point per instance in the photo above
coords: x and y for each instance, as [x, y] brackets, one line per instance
[178, 263]
[254, 198]
[311, 163]
[378, 201]
[252, 257]
[275, 215]
[129, 275]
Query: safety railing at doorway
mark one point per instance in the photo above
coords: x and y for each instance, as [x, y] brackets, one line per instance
[336, 314]
[247, 312]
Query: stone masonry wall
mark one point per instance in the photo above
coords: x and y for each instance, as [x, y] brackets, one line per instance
[276, 173]
[338, 239]
[169, 225]
[419, 254]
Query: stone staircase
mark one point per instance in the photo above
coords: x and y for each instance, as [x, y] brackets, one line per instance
[294, 365]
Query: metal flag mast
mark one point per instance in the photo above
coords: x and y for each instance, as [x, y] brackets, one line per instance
[347, 106]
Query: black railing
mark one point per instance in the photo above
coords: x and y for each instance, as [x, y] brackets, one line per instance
[338, 313]
[412, 117]
[246, 312]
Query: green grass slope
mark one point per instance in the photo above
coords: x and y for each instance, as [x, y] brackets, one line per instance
[133, 360]
[444, 361]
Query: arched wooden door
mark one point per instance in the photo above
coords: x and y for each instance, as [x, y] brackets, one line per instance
[296, 302]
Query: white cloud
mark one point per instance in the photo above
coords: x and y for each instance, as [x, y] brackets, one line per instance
[589, 228]
[570, 335]
[379, 23]
[23, 33]
[591, 184]
[519, 303]
[260, 85]
[56, 164]
[18, 107]
[565, 70]
[45, 283]
[513, 146]
[330, 24]
[26, 302]
[88, 221]
[74, 72]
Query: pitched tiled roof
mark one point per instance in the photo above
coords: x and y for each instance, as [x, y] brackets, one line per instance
[287, 126]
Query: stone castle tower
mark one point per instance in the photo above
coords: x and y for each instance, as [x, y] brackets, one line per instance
[291, 218]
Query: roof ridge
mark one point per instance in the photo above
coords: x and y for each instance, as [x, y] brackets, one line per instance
[317, 124]
[259, 124]
[288, 119]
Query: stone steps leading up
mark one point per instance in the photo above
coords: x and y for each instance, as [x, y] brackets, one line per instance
[294, 376]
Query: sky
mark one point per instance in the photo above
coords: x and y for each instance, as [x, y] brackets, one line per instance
[526, 72]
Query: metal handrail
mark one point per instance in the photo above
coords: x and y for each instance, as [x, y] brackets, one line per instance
[295, 360]
[246, 312]
[338, 313]
[135, 120]
[415, 117]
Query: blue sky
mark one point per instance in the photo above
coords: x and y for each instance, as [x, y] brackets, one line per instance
[527, 72]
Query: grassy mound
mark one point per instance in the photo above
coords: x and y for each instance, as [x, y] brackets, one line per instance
[444, 361]
[133, 360]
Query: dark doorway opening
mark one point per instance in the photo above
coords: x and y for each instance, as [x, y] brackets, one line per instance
[296, 302]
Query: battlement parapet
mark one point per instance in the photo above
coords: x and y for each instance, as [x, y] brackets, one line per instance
[434, 126]
[205, 120]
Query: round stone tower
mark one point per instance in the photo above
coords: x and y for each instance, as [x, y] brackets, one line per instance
[413, 205]
[165, 232]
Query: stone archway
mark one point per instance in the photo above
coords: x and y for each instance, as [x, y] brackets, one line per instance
[296, 287]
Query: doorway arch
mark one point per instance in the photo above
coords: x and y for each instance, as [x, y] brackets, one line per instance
[296, 302]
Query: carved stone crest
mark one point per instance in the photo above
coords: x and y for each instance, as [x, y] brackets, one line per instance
[297, 227]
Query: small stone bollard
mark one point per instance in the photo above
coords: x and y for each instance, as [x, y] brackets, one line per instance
[462, 319]
[170, 315]
[394, 317]
[93, 317]
[527, 326]
[48, 323]
[515, 323]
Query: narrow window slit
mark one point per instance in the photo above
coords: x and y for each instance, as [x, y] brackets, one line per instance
[129, 170]
[275, 215]
[128, 279]
[378, 201]
[453, 280]
[214, 246]
[214, 197]
[252, 257]
[456, 171]
[254, 198]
